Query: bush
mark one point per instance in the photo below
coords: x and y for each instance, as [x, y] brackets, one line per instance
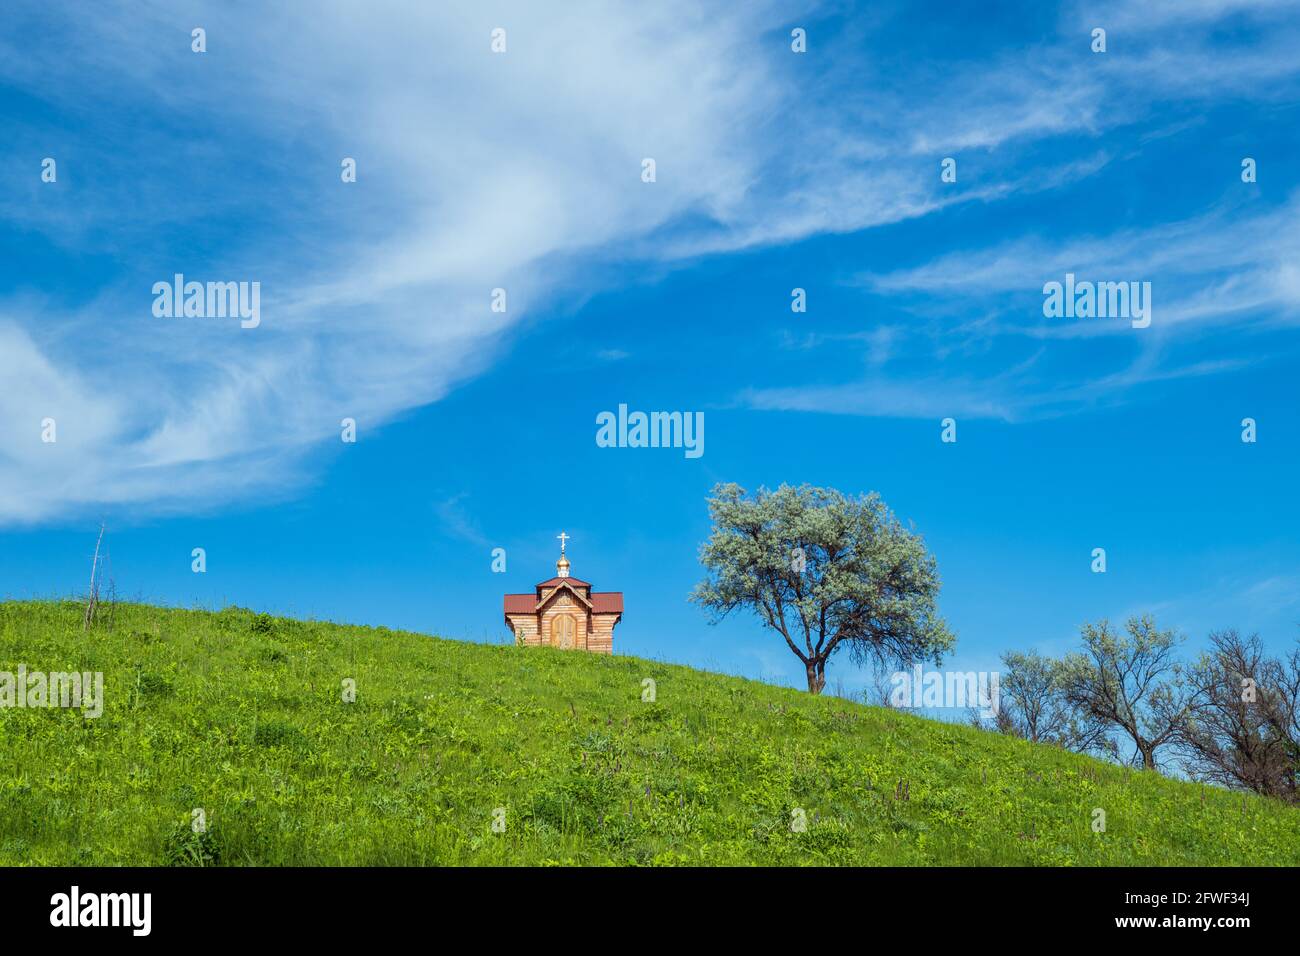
[185, 847]
[150, 684]
[276, 733]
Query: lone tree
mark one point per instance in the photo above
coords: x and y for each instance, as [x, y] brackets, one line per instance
[824, 571]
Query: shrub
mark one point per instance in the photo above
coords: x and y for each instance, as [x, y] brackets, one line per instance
[184, 847]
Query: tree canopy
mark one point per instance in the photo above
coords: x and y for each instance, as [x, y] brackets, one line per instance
[1131, 681]
[825, 571]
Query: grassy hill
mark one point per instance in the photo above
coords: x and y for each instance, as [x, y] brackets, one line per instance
[242, 715]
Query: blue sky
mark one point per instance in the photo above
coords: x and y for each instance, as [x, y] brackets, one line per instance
[774, 170]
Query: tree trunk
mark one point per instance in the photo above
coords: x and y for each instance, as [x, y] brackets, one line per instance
[816, 676]
[1148, 757]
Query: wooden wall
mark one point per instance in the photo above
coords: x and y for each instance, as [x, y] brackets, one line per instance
[591, 632]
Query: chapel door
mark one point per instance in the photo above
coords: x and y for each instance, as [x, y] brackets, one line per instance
[563, 632]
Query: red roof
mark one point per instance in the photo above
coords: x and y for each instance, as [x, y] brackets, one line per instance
[608, 602]
[520, 603]
[556, 582]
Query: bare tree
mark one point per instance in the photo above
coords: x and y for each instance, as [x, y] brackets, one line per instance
[1132, 683]
[92, 600]
[1227, 737]
[1281, 708]
[1034, 707]
[879, 690]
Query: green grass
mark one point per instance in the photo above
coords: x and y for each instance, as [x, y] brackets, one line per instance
[242, 715]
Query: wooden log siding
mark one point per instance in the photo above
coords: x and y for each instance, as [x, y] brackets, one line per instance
[532, 617]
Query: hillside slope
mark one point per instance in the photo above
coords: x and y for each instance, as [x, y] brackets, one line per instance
[242, 715]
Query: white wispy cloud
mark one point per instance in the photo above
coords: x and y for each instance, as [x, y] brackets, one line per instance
[1215, 277]
[459, 522]
[1218, 266]
[1224, 274]
[475, 171]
